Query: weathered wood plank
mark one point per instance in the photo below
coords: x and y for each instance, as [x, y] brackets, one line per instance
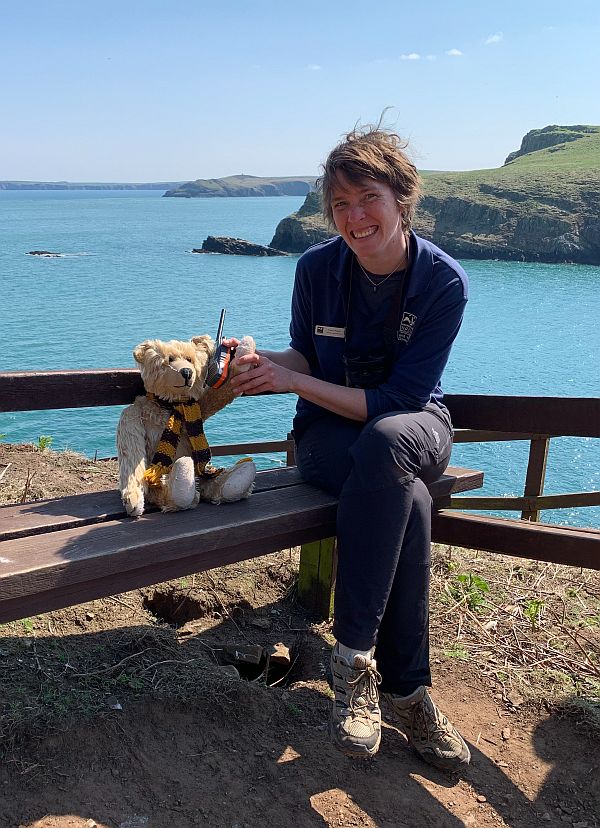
[515, 504]
[41, 390]
[568, 416]
[258, 447]
[523, 539]
[65, 566]
[317, 576]
[536, 474]
[473, 435]
[67, 595]
[23, 519]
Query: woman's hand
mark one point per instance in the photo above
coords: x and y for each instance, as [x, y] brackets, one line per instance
[232, 342]
[263, 375]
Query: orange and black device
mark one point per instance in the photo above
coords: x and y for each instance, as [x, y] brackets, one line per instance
[218, 368]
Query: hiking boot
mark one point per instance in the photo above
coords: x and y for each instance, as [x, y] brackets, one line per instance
[429, 732]
[355, 722]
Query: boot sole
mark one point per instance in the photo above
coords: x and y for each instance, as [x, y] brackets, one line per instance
[357, 751]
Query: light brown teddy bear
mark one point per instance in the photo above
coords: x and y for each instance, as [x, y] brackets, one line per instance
[164, 458]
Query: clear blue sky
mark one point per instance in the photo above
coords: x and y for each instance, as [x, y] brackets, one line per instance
[98, 90]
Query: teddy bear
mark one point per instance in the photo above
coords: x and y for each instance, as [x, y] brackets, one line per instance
[163, 454]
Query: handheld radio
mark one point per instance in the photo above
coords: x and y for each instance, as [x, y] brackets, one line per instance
[218, 367]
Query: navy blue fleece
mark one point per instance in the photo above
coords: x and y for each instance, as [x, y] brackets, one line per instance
[436, 296]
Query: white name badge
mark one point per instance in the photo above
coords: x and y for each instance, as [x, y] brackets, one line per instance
[329, 330]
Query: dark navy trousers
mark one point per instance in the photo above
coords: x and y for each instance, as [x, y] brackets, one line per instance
[379, 471]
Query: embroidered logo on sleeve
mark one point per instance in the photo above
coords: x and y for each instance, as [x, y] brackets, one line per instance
[407, 326]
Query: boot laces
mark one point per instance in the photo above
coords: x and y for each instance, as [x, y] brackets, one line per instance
[426, 721]
[363, 691]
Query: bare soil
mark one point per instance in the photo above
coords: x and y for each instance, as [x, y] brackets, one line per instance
[122, 713]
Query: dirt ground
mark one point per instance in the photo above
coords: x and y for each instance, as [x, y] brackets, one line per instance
[124, 713]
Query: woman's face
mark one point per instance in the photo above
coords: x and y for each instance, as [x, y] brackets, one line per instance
[369, 219]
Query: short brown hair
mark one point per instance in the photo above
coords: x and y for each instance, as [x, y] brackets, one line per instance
[372, 152]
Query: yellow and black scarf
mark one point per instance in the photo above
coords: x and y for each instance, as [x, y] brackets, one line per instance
[183, 415]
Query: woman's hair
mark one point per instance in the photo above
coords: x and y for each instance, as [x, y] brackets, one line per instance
[376, 153]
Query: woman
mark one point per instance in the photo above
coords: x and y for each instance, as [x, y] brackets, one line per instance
[375, 311]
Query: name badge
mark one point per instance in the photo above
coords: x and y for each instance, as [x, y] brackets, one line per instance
[329, 330]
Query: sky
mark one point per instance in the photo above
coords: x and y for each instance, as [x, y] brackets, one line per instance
[180, 89]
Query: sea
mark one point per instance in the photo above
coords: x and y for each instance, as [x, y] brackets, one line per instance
[126, 273]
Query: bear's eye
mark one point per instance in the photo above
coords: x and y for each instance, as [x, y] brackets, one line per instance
[172, 358]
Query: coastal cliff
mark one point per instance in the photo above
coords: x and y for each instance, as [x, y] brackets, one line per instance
[243, 185]
[542, 205]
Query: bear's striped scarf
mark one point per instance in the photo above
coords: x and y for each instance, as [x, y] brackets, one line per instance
[183, 415]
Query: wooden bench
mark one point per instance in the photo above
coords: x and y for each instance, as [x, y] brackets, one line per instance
[60, 552]
[55, 553]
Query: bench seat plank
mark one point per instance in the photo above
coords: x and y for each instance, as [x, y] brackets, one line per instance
[521, 538]
[24, 519]
[43, 572]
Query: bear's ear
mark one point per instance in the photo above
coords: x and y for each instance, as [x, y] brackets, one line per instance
[204, 343]
[141, 352]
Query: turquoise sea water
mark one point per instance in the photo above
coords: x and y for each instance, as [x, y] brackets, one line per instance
[128, 274]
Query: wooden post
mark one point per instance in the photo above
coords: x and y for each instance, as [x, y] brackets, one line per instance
[536, 473]
[317, 576]
[290, 455]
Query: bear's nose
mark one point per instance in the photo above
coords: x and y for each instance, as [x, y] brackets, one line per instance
[186, 373]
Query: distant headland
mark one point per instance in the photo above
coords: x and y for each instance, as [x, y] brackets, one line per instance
[243, 185]
[542, 205]
[85, 185]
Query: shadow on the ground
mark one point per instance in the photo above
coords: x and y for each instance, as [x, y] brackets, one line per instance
[242, 754]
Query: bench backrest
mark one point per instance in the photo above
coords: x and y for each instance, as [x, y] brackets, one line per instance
[558, 416]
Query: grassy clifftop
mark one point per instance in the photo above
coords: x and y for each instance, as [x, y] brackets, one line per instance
[541, 205]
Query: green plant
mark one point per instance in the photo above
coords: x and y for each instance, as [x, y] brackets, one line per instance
[469, 588]
[457, 651]
[533, 611]
[571, 592]
[27, 625]
[44, 442]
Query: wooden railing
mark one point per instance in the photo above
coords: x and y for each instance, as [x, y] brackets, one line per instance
[478, 418]
[533, 499]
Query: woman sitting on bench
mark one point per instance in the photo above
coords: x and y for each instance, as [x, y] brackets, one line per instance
[375, 311]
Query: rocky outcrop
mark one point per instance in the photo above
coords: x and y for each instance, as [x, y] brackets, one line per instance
[540, 207]
[299, 231]
[236, 247]
[243, 185]
[550, 136]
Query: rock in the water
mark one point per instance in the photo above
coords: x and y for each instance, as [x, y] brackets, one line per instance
[236, 247]
[46, 253]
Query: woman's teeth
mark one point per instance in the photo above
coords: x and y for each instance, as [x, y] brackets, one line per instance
[362, 234]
